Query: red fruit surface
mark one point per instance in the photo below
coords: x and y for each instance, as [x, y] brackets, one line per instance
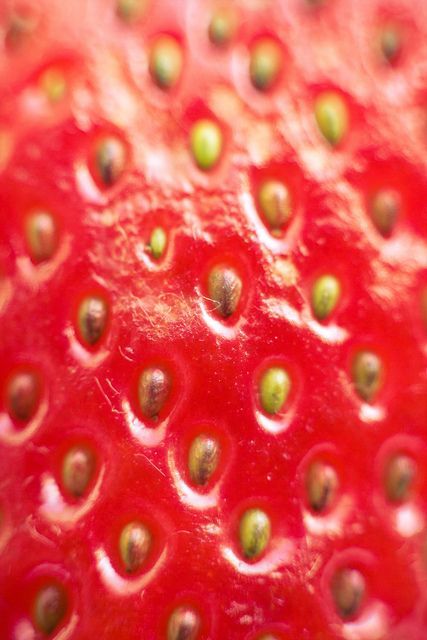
[350, 564]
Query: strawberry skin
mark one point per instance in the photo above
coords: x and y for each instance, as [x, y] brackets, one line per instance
[213, 312]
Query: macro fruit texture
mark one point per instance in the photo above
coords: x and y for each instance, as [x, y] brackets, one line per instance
[213, 315]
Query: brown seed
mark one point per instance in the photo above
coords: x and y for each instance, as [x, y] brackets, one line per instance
[50, 608]
[23, 395]
[184, 624]
[275, 203]
[203, 459]
[92, 319]
[41, 234]
[348, 589]
[400, 474]
[20, 26]
[321, 484]
[225, 288]
[110, 160]
[367, 374]
[153, 390]
[134, 544]
[385, 207]
[222, 26]
[77, 470]
[390, 43]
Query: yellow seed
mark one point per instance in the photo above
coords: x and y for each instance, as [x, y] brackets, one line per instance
[325, 295]
[275, 386]
[53, 84]
[166, 61]
[275, 203]
[254, 532]
[367, 375]
[331, 115]
[222, 27]
[203, 459]
[348, 589]
[131, 10]
[134, 544]
[92, 319]
[158, 242]
[225, 288]
[206, 143]
[41, 235]
[50, 607]
[265, 64]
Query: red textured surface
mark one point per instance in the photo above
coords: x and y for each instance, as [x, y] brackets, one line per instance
[160, 315]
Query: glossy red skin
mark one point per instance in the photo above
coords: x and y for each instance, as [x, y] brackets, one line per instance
[157, 318]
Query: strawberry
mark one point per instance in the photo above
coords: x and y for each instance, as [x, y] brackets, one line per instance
[213, 315]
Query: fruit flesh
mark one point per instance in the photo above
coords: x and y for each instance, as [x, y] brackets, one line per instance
[156, 314]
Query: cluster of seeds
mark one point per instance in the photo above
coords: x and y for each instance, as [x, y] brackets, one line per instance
[225, 291]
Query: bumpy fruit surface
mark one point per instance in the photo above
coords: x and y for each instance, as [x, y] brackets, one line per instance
[213, 316]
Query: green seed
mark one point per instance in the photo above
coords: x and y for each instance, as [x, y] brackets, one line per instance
[153, 390]
[222, 27]
[390, 43]
[77, 470]
[50, 608]
[110, 160]
[53, 84]
[41, 235]
[385, 208]
[321, 485]
[184, 624]
[331, 115]
[130, 10]
[325, 295]
[166, 62]
[134, 545]
[206, 143]
[203, 459]
[275, 386]
[23, 395]
[367, 374]
[158, 241]
[265, 64]
[275, 203]
[92, 319]
[399, 477]
[348, 589]
[255, 530]
[225, 288]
